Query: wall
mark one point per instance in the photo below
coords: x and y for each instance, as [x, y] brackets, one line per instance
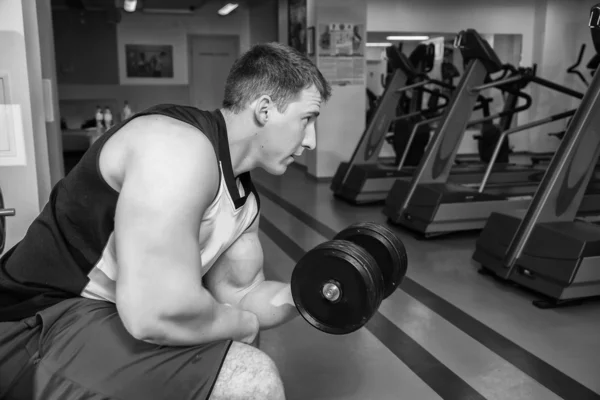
[138, 28]
[19, 184]
[282, 21]
[264, 25]
[565, 30]
[86, 48]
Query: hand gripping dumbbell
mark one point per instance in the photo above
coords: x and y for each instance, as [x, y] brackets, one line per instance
[338, 286]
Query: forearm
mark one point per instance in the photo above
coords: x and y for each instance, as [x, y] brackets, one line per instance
[271, 302]
[189, 323]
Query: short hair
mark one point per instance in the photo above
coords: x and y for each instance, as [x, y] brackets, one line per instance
[274, 69]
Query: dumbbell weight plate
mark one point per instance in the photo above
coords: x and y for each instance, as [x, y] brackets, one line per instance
[339, 265]
[387, 249]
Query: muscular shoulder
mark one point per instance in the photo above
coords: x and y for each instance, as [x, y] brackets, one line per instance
[156, 141]
[150, 130]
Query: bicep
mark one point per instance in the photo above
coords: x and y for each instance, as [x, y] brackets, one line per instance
[168, 184]
[238, 269]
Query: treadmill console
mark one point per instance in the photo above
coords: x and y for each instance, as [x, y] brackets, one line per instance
[595, 26]
[473, 46]
[398, 60]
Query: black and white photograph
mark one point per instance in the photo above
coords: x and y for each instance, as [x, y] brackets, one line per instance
[299, 200]
[149, 61]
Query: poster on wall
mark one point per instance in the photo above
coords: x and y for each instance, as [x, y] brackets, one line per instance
[12, 135]
[149, 61]
[341, 50]
[297, 25]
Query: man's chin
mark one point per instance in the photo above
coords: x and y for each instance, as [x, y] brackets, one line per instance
[279, 170]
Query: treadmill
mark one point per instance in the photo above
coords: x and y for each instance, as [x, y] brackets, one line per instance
[365, 164]
[547, 248]
[364, 179]
[428, 204]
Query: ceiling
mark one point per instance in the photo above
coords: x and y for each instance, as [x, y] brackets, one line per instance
[95, 5]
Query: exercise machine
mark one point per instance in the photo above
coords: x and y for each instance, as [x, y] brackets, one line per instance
[431, 205]
[365, 160]
[365, 180]
[547, 247]
[544, 158]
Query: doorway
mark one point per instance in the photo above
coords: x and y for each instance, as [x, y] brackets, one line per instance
[211, 58]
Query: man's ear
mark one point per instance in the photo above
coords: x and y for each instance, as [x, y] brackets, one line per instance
[262, 109]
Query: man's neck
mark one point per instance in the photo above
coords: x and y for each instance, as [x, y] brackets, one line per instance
[241, 149]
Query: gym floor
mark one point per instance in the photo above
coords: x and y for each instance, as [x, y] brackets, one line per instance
[448, 332]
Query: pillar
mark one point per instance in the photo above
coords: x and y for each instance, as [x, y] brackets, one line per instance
[343, 117]
[50, 90]
[23, 177]
[38, 120]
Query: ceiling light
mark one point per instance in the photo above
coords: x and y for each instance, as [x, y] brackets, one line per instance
[129, 5]
[379, 44]
[226, 9]
[407, 37]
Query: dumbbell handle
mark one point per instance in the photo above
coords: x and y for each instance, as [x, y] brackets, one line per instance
[331, 291]
[7, 212]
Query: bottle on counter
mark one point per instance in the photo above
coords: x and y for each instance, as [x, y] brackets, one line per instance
[108, 118]
[126, 112]
[99, 118]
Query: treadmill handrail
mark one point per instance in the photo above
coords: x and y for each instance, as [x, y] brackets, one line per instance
[497, 83]
[524, 107]
[557, 87]
[442, 84]
[413, 86]
[522, 128]
[411, 137]
[420, 112]
[416, 113]
[482, 103]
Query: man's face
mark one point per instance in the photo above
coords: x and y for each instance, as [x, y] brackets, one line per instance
[286, 135]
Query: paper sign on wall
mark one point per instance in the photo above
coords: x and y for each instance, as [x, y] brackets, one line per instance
[12, 140]
[341, 53]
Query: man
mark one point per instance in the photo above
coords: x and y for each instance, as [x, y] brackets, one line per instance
[142, 277]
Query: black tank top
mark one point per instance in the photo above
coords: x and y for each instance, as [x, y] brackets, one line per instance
[62, 245]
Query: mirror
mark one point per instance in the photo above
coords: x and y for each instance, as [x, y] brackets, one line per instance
[448, 65]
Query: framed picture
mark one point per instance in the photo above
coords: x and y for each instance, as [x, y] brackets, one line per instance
[149, 61]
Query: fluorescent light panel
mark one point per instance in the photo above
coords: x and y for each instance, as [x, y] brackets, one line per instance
[379, 44]
[226, 9]
[407, 37]
[130, 5]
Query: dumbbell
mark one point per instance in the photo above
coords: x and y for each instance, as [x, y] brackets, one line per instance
[339, 285]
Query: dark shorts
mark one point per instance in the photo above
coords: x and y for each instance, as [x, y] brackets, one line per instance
[79, 349]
